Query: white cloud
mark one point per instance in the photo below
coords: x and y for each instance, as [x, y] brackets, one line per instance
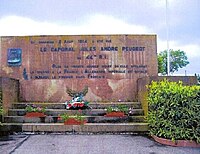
[109, 25]
[192, 50]
[162, 3]
[18, 26]
[96, 24]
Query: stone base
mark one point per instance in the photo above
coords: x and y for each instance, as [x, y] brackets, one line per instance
[178, 143]
[87, 128]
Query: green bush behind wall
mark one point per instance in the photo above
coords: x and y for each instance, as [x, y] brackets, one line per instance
[174, 110]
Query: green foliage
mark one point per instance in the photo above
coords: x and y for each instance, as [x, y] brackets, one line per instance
[123, 108]
[77, 116]
[64, 116]
[110, 109]
[34, 108]
[178, 59]
[174, 111]
[120, 107]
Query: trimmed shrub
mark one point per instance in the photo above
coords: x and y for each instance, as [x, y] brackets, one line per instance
[174, 111]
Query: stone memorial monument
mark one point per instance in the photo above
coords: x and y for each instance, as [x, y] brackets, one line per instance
[109, 65]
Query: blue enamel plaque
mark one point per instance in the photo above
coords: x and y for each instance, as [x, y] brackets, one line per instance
[14, 57]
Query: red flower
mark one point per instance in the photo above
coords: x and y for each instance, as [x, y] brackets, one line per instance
[81, 105]
[59, 118]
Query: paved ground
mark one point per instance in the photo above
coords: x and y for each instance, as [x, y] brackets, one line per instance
[86, 144]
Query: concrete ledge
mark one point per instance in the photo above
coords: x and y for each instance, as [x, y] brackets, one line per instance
[55, 112]
[89, 127]
[94, 105]
[90, 119]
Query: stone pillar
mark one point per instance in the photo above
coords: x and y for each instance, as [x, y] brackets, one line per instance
[10, 92]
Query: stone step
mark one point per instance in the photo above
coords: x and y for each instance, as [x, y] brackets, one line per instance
[56, 112]
[87, 128]
[90, 119]
[94, 105]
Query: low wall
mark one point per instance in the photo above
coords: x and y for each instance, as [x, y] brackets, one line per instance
[10, 92]
[143, 82]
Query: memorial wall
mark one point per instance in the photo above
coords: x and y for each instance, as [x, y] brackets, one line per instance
[109, 65]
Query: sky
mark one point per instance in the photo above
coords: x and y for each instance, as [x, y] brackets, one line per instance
[74, 17]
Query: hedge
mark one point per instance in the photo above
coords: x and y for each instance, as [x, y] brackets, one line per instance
[174, 111]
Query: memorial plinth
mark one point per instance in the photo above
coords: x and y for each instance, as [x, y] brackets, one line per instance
[109, 65]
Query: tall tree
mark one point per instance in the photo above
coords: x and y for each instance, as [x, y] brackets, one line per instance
[178, 59]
